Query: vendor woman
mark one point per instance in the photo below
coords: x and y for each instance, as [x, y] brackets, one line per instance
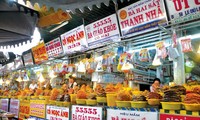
[72, 84]
[156, 85]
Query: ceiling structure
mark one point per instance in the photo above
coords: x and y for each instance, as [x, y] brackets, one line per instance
[82, 12]
[17, 24]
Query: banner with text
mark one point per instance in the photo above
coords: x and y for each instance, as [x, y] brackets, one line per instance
[102, 31]
[54, 48]
[74, 40]
[57, 113]
[40, 53]
[14, 107]
[130, 115]
[142, 16]
[24, 110]
[86, 113]
[37, 110]
[183, 10]
[178, 117]
[4, 104]
[28, 59]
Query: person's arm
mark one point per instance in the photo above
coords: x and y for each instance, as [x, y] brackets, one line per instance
[74, 85]
[30, 86]
[151, 89]
[36, 86]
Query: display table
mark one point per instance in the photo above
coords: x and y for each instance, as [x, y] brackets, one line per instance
[41, 110]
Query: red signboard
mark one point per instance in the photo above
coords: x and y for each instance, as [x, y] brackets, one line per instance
[40, 53]
[24, 110]
[177, 117]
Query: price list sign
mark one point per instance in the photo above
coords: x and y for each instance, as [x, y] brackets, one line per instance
[14, 107]
[54, 48]
[86, 113]
[4, 104]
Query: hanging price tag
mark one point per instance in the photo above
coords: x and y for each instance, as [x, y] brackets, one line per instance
[186, 45]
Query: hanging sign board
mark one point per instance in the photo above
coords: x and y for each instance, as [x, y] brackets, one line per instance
[28, 59]
[4, 104]
[14, 107]
[102, 31]
[54, 48]
[18, 63]
[24, 110]
[178, 117]
[131, 115]
[37, 110]
[142, 16]
[74, 40]
[86, 113]
[40, 53]
[183, 10]
[57, 113]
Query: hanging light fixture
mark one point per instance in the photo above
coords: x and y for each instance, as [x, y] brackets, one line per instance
[52, 75]
[1, 81]
[198, 51]
[127, 67]
[41, 78]
[19, 79]
[7, 82]
[74, 75]
[26, 78]
[81, 68]
[156, 61]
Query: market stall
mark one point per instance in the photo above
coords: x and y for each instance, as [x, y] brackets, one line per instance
[106, 69]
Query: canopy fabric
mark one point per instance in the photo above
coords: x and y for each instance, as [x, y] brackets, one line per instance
[17, 23]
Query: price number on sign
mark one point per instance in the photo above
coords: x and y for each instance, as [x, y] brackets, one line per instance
[184, 4]
[86, 110]
[102, 22]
